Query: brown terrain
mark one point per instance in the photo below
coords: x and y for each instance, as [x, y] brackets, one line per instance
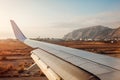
[15, 57]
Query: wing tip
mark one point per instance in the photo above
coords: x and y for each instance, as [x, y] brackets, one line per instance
[18, 33]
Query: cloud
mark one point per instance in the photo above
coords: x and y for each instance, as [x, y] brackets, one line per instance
[62, 27]
[110, 19]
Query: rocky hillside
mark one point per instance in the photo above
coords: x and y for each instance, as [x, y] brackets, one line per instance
[116, 33]
[93, 33]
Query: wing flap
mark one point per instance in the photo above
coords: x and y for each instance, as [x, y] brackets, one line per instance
[64, 69]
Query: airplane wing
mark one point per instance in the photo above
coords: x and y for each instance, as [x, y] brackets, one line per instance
[64, 63]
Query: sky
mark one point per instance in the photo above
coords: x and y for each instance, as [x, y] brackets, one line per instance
[55, 18]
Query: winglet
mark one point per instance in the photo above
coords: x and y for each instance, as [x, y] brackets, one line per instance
[18, 34]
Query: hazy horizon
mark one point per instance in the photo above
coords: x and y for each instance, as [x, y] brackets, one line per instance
[55, 18]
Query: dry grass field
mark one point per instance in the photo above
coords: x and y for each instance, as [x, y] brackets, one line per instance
[14, 59]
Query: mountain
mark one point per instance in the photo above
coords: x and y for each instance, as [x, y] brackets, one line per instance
[92, 33]
[116, 33]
